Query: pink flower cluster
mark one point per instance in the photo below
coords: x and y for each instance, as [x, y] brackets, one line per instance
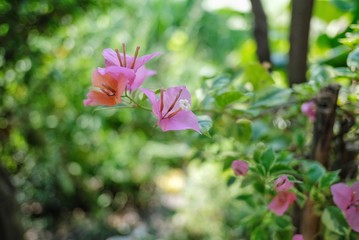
[123, 74]
[240, 167]
[284, 197]
[347, 199]
[309, 109]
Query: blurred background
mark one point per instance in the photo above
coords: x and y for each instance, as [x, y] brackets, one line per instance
[94, 173]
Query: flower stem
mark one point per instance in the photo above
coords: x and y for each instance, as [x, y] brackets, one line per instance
[135, 104]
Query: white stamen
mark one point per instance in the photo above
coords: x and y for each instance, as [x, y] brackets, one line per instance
[184, 104]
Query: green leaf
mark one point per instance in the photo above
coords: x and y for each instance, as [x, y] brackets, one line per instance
[313, 171]
[259, 234]
[353, 60]
[257, 75]
[247, 198]
[227, 98]
[244, 129]
[220, 83]
[328, 179]
[205, 123]
[272, 97]
[333, 219]
[268, 158]
[281, 168]
[231, 180]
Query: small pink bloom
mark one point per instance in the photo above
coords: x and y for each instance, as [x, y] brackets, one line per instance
[309, 109]
[283, 184]
[115, 58]
[172, 109]
[298, 237]
[240, 167]
[108, 86]
[347, 199]
[281, 202]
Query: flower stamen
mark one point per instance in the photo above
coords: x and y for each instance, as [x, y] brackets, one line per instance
[135, 57]
[161, 106]
[173, 104]
[119, 57]
[109, 91]
[184, 104]
[124, 54]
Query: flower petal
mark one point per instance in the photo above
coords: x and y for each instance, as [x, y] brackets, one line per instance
[342, 195]
[181, 121]
[283, 184]
[155, 104]
[240, 167]
[352, 216]
[111, 58]
[281, 202]
[355, 188]
[141, 74]
[95, 98]
[142, 60]
[170, 96]
[298, 237]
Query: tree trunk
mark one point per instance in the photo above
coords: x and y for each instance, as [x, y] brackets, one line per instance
[261, 33]
[299, 36]
[10, 226]
[321, 147]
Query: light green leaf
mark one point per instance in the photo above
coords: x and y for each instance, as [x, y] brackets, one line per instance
[353, 60]
[205, 123]
[272, 97]
[228, 97]
[333, 219]
[258, 76]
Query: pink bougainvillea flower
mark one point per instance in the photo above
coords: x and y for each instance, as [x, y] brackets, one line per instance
[115, 58]
[240, 167]
[309, 109]
[298, 237]
[284, 197]
[172, 109]
[283, 184]
[108, 86]
[347, 199]
[281, 202]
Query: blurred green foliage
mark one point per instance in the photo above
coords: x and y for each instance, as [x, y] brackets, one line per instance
[92, 173]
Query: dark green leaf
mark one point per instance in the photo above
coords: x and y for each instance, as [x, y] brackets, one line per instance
[244, 128]
[313, 171]
[328, 179]
[268, 158]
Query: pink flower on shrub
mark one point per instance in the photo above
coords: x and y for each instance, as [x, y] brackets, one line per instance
[281, 202]
[240, 167]
[115, 58]
[347, 199]
[309, 109]
[108, 86]
[283, 184]
[172, 109]
[284, 198]
[298, 237]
